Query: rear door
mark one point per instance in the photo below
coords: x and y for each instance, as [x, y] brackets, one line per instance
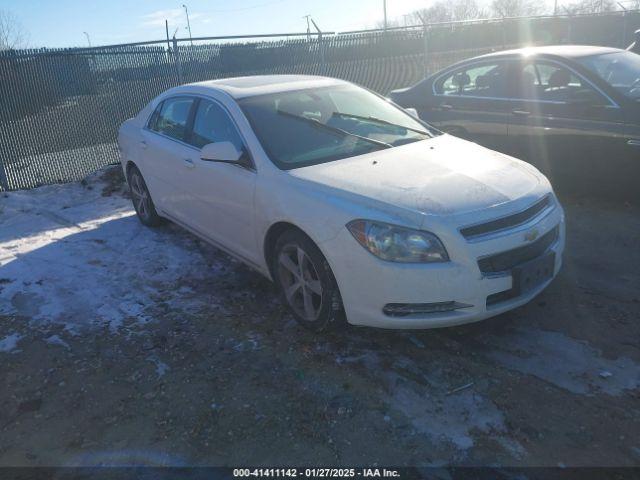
[471, 102]
[566, 126]
[633, 146]
[164, 154]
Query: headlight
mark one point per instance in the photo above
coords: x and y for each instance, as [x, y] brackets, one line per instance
[398, 244]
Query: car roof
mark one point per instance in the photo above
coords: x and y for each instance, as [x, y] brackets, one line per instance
[566, 51]
[241, 87]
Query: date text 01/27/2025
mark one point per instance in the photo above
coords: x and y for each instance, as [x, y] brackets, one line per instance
[316, 472]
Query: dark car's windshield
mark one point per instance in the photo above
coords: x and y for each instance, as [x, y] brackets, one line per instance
[308, 127]
[621, 70]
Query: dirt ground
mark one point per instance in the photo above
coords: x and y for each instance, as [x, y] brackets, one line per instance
[125, 345]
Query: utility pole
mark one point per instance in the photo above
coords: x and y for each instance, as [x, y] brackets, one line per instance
[88, 39]
[307, 17]
[320, 45]
[425, 37]
[176, 59]
[555, 8]
[166, 27]
[384, 7]
[186, 10]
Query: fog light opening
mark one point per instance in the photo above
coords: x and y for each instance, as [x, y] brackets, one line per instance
[406, 309]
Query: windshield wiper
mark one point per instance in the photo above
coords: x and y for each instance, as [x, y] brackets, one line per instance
[318, 124]
[378, 120]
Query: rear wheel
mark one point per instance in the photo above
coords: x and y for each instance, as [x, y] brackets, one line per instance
[142, 202]
[306, 282]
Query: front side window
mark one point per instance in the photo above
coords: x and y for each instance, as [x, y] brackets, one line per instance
[212, 124]
[553, 83]
[312, 126]
[484, 80]
[173, 117]
[621, 70]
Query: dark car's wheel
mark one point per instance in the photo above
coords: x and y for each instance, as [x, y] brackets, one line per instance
[306, 282]
[141, 198]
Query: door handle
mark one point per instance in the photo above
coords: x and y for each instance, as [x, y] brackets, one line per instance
[633, 143]
[188, 163]
[521, 113]
[143, 144]
[445, 106]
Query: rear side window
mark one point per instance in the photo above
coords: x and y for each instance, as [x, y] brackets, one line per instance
[212, 124]
[479, 80]
[154, 117]
[172, 118]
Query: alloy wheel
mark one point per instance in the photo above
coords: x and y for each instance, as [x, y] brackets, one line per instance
[140, 196]
[300, 282]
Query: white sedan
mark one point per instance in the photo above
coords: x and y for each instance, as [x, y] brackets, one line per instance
[353, 207]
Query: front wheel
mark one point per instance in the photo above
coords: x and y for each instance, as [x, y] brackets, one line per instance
[306, 282]
[141, 198]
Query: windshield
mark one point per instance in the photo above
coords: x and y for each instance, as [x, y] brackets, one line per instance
[308, 127]
[621, 70]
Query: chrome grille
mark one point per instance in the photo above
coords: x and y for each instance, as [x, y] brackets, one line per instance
[505, 261]
[507, 222]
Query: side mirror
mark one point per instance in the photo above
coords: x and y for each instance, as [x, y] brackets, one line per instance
[413, 112]
[220, 152]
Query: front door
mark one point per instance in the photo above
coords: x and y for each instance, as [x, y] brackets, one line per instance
[567, 128]
[222, 193]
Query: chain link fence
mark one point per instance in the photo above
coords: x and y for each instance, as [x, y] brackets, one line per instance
[61, 109]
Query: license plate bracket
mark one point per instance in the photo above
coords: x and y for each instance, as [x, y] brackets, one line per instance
[532, 274]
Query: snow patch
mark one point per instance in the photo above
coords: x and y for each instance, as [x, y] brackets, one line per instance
[161, 367]
[10, 343]
[71, 256]
[56, 340]
[425, 398]
[570, 364]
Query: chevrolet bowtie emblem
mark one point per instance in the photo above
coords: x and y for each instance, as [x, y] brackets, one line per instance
[531, 235]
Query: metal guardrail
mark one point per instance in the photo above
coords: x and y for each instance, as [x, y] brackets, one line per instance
[60, 109]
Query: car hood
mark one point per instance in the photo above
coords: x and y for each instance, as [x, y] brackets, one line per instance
[440, 176]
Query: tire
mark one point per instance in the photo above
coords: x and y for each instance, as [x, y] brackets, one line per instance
[141, 198]
[315, 302]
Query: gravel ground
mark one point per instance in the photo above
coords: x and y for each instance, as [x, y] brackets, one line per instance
[120, 345]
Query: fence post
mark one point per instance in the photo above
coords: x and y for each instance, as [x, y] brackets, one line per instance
[425, 40]
[176, 59]
[4, 183]
[504, 33]
[425, 35]
[323, 63]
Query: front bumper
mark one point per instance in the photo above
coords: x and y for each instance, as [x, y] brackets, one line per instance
[367, 283]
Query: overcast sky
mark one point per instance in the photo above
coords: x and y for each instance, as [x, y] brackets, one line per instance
[61, 23]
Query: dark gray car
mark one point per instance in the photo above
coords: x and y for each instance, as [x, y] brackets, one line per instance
[573, 111]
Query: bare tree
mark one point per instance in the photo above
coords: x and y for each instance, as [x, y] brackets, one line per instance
[591, 6]
[516, 8]
[391, 23]
[12, 34]
[449, 11]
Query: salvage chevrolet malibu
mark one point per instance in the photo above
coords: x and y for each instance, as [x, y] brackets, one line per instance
[353, 207]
